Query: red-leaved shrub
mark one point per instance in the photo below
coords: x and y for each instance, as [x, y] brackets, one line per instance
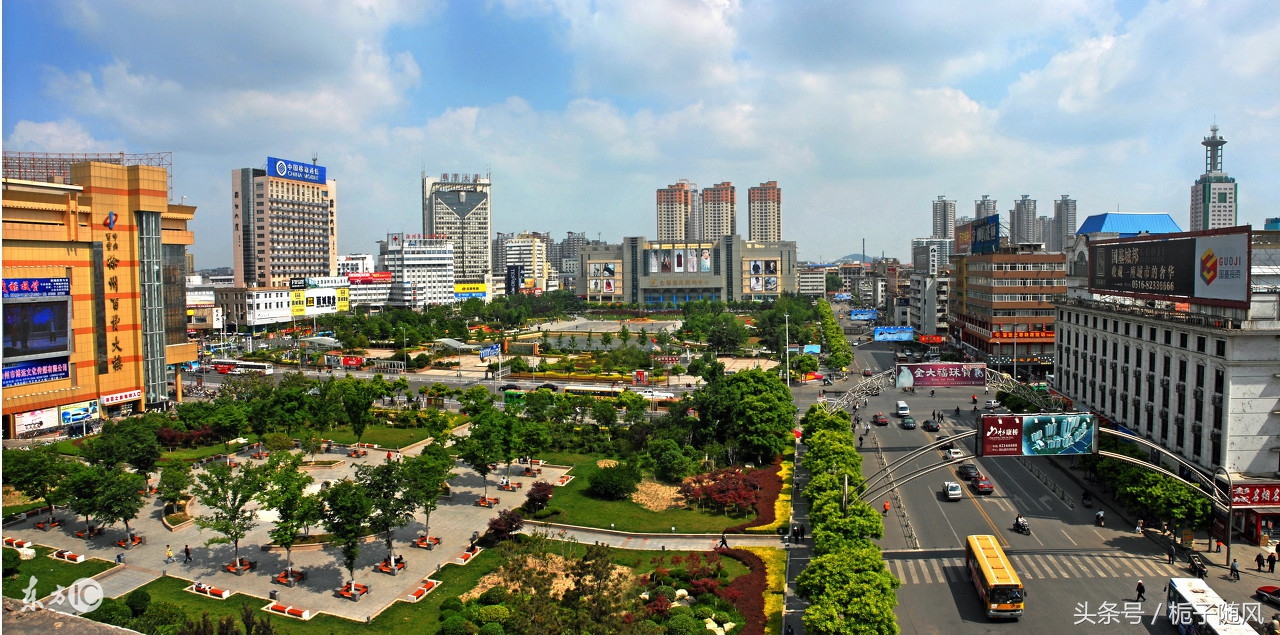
[746, 593]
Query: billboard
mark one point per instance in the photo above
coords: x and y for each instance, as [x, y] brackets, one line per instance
[14, 288]
[894, 334]
[864, 314]
[759, 276]
[1201, 267]
[942, 374]
[514, 279]
[471, 290]
[36, 422]
[985, 235]
[1040, 434]
[602, 276]
[373, 277]
[964, 239]
[36, 328]
[35, 371]
[71, 414]
[812, 349]
[295, 171]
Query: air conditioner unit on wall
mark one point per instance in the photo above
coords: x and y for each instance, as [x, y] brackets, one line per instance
[1216, 400]
[1198, 392]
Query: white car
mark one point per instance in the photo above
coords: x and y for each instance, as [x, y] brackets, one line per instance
[952, 490]
[653, 394]
[992, 404]
[953, 454]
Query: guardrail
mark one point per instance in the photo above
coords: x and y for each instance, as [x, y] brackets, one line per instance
[900, 510]
[1053, 486]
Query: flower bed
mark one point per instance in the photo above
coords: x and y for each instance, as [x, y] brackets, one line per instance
[746, 593]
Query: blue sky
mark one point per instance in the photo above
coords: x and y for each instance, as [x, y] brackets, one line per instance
[863, 112]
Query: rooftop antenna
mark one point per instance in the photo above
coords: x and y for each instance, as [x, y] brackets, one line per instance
[315, 158]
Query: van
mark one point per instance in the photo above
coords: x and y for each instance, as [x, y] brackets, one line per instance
[902, 409]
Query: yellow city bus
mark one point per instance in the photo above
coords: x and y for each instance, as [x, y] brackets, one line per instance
[993, 576]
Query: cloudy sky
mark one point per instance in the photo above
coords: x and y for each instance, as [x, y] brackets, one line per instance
[862, 111]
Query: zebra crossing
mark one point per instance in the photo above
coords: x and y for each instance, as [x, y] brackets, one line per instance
[1040, 566]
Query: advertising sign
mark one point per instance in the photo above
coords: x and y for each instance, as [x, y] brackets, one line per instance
[1201, 267]
[514, 279]
[942, 374]
[1258, 495]
[36, 328]
[1037, 434]
[297, 283]
[35, 287]
[72, 414]
[491, 350]
[894, 334]
[121, 397]
[372, 277]
[841, 297]
[640, 378]
[30, 424]
[813, 348]
[964, 239]
[36, 371]
[986, 235]
[931, 339]
[472, 290]
[342, 300]
[864, 314]
[286, 169]
[351, 360]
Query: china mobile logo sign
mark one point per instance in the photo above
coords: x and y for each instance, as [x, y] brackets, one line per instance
[83, 596]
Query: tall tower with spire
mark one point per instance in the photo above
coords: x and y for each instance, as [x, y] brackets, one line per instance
[1214, 196]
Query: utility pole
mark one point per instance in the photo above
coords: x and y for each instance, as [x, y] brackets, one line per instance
[786, 344]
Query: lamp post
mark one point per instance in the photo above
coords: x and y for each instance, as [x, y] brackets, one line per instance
[786, 345]
[404, 352]
[1230, 507]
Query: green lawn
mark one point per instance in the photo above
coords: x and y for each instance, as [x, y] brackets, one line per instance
[578, 508]
[191, 455]
[50, 574]
[384, 436]
[16, 509]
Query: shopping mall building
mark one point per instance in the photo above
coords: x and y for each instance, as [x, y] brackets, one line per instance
[94, 290]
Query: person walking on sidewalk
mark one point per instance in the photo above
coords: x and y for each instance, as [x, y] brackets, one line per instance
[1271, 562]
[168, 555]
[886, 508]
[186, 550]
[1142, 592]
[1260, 560]
[724, 543]
[1173, 553]
[1235, 569]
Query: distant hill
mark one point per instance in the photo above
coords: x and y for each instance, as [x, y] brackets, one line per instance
[856, 257]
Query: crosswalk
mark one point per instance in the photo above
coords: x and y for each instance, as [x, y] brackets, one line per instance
[942, 570]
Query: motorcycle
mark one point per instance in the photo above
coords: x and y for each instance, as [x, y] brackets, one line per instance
[1087, 500]
[1022, 527]
[1099, 519]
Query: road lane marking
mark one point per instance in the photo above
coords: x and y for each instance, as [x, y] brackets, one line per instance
[1034, 567]
[1104, 564]
[1068, 536]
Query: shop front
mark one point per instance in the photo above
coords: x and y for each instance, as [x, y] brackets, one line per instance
[1258, 511]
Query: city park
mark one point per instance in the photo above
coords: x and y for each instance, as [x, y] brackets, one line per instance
[309, 507]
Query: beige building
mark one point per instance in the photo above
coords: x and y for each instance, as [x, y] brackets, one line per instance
[458, 208]
[764, 212]
[284, 223]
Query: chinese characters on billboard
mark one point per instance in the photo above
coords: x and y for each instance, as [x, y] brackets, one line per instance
[1210, 267]
[894, 334]
[1037, 434]
[942, 374]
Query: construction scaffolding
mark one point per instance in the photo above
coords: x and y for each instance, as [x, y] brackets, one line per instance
[55, 167]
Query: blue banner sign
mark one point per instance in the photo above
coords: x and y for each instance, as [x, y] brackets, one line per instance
[286, 169]
[491, 350]
[864, 314]
[35, 371]
[812, 349]
[841, 297]
[986, 235]
[894, 334]
[36, 287]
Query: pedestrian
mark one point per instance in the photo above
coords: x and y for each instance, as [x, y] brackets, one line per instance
[1273, 626]
[1138, 530]
[886, 508]
[1260, 560]
[724, 543]
[168, 555]
[1142, 592]
[187, 551]
[1271, 562]
[802, 532]
[789, 630]
[1173, 552]
[1235, 569]
[860, 440]
[1219, 546]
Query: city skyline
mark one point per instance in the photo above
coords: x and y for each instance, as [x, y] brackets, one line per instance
[859, 112]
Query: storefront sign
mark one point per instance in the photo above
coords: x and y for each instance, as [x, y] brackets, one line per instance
[121, 397]
[35, 287]
[36, 421]
[942, 374]
[110, 247]
[35, 371]
[79, 412]
[1256, 495]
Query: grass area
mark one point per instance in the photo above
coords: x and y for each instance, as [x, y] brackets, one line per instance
[385, 437]
[23, 507]
[191, 455]
[50, 574]
[578, 508]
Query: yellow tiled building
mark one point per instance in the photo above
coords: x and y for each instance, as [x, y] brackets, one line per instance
[94, 296]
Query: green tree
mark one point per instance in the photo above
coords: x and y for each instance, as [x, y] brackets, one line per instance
[284, 491]
[131, 441]
[486, 444]
[751, 411]
[386, 488]
[346, 511]
[357, 400]
[226, 493]
[231, 422]
[82, 490]
[119, 497]
[669, 461]
[850, 591]
[604, 413]
[834, 283]
[624, 335]
[37, 473]
[175, 481]
[804, 364]
[726, 333]
[606, 339]
[424, 478]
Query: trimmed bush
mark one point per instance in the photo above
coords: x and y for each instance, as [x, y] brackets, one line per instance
[494, 595]
[684, 624]
[11, 562]
[492, 628]
[451, 604]
[613, 483]
[457, 625]
[137, 601]
[495, 613]
[111, 611]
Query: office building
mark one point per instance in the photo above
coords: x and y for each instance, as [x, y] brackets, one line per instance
[719, 213]
[354, 263]
[1022, 221]
[985, 207]
[677, 208]
[931, 256]
[94, 291]
[458, 208]
[1215, 195]
[764, 212]
[1063, 227]
[284, 223]
[812, 281]
[944, 218]
[422, 270]
[529, 268]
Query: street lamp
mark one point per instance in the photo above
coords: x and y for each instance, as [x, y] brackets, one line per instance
[1230, 506]
[404, 351]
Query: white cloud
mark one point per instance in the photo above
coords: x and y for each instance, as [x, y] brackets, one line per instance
[56, 136]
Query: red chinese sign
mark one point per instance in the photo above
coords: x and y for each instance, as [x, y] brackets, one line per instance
[1000, 436]
[348, 360]
[1260, 495]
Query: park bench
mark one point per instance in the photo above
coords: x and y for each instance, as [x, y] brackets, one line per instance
[48, 525]
[290, 576]
[240, 567]
[131, 542]
[63, 554]
[353, 591]
[89, 533]
[17, 543]
[533, 471]
[427, 586]
[563, 480]
[290, 611]
[211, 591]
[385, 565]
[511, 487]
[260, 455]
[427, 542]
[487, 502]
[469, 554]
[356, 454]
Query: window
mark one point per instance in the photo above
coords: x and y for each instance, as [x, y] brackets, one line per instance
[1168, 366]
[1200, 341]
[1182, 370]
[1182, 341]
[1199, 375]
[1220, 348]
[1219, 380]
[1168, 338]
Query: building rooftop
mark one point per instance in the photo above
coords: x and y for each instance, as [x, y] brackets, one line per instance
[1128, 225]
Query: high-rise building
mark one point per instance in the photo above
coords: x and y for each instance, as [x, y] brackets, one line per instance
[985, 207]
[529, 251]
[677, 208]
[944, 218]
[458, 208]
[284, 223]
[1215, 195]
[499, 252]
[1022, 221]
[719, 214]
[422, 269]
[764, 212]
[931, 256]
[1063, 227]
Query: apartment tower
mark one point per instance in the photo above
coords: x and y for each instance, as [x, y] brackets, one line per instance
[719, 214]
[984, 207]
[944, 218]
[1214, 196]
[764, 212]
[457, 208]
[1063, 225]
[1022, 221]
[677, 207]
[284, 223]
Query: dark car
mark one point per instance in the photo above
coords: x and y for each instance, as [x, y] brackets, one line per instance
[551, 387]
[931, 426]
[1269, 594]
[908, 423]
[866, 372]
[880, 419]
[508, 387]
[982, 485]
[967, 471]
[948, 445]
